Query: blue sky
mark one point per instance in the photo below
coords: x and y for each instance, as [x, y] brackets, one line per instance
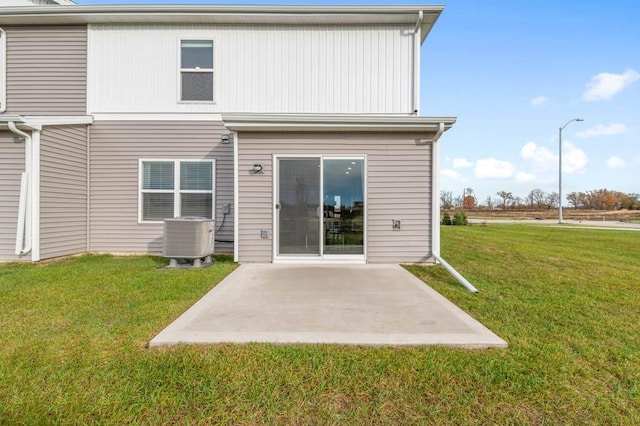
[513, 72]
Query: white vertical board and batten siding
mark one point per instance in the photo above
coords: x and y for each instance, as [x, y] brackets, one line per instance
[258, 68]
[117, 147]
[46, 70]
[12, 155]
[63, 191]
[398, 187]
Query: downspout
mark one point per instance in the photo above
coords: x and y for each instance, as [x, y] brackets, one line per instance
[435, 213]
[417, 35]
[23, 231]
[3, 71]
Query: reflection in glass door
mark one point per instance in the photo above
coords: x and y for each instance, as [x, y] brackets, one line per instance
[343, 206]
[298, 206]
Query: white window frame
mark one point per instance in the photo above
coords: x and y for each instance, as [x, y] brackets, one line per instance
[176, 191]
[3, 71]
[202, 70]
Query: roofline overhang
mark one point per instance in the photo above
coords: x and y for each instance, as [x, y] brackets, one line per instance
[37, 122]
[222, 14]
[19, 121]
[335, 123]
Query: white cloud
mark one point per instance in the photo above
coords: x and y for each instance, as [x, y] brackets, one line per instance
[604, 85]
[538, 101]
[616, 163]
[452, 174]
[541, 157]
[459, 163]
[602, 130]
[523, 177]
[574, 160]
[490, 168]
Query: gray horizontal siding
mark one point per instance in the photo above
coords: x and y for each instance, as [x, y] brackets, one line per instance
[12, 157]
[47, 70]
[117, 146]
[63, 191]
[399, 176]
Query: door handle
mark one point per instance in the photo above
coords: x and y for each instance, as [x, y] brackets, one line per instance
[278, 206]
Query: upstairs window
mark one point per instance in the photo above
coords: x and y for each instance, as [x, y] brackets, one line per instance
[172, 188]
[196, 70]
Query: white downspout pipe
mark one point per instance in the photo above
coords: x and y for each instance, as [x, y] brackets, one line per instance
[23, 231]
[462, 280]
[435, 213]
[417, 35]
[3, 71]
[435, 191]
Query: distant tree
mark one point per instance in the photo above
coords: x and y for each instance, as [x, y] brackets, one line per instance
[538, 198]
[457, 202]
[631, 201]
[506, 196]
[574, 199]
[489, 202]
[446, 200]
[552, 200]
[469, 202]
[518, 203]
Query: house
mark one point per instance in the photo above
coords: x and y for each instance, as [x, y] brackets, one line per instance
[296, 128]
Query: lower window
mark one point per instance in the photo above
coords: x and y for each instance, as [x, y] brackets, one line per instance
[172, 188]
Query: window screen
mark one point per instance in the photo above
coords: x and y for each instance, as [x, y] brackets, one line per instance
[196, 70]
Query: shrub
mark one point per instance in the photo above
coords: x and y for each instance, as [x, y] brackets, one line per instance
[460, 218]
[446, 219]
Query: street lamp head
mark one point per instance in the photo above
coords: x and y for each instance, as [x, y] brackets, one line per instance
[571, 121]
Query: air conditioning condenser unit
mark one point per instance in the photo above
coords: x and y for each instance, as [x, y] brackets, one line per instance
[188, 237]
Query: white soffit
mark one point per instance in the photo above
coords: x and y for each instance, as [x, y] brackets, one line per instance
[351, 123]
[223, 14]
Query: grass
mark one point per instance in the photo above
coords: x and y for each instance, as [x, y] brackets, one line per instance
[73, 335]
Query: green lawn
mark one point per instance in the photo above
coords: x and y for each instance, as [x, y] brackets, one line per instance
[73, 335]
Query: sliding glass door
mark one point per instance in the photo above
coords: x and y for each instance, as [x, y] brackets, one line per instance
[320, 205]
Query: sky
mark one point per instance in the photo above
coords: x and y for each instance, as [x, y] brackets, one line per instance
[513, 73]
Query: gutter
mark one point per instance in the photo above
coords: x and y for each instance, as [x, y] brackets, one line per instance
[221, 14]
[23, 228]
[325, 122]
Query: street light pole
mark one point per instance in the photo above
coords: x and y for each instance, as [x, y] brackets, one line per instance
[560, 166]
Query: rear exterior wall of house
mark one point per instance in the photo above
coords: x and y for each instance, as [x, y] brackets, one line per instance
[398, 181]
[46, 75]
[116, 150]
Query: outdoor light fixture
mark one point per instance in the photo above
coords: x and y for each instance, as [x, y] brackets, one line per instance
[226, 138]
[560, 166]
[257, 168]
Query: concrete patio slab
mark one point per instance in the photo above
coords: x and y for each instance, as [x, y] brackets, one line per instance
[344, 304]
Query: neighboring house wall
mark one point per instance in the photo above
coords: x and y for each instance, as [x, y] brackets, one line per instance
[63, 191]
[257, 68]
[398, 187]
[117, 146]
[12, 156]
[46, 70]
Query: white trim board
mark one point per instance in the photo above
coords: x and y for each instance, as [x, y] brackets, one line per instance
[157, 117]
